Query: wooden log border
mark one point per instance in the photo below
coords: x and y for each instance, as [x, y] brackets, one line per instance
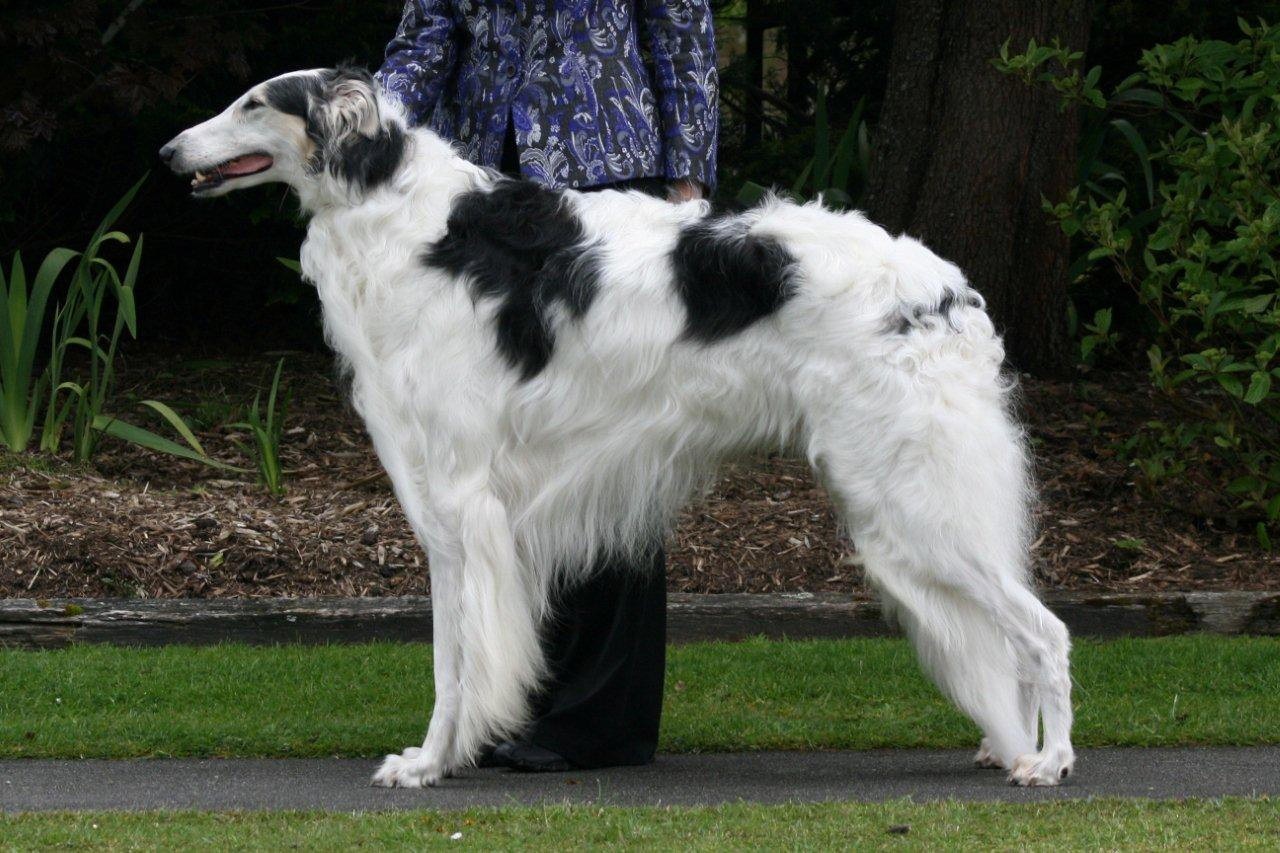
[40, 624]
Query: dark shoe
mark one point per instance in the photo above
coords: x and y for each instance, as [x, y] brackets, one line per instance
[529, 758]
[487, 758]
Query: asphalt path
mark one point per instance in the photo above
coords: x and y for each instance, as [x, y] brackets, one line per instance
[760, 777]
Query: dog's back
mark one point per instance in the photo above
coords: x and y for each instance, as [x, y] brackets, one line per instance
[706, 335]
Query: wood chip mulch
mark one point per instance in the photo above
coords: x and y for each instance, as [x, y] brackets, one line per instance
[139, 524]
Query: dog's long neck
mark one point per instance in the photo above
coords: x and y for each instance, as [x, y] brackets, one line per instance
[363, 242]
[407, 167]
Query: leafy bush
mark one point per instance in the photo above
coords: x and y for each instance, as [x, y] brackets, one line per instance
[1198, 243]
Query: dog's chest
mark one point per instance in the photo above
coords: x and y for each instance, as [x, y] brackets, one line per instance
[411, 331]
[371, 285]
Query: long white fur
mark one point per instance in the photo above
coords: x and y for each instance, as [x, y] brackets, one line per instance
[514, 487]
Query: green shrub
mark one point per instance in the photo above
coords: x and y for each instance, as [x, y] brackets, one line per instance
[97, 308]
[1196, 234]
[266, 432]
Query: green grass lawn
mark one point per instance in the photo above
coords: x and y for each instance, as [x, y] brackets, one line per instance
[364, 700]
[1083, 825]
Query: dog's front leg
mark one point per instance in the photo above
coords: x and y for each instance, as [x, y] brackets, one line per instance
[488, 655]
[437, 757]
[436, 529]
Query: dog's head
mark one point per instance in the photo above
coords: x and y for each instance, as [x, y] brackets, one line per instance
[301, 129]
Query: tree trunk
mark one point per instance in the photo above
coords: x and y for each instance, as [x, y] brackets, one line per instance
[798, 70]
[963, 155]
[754, 119]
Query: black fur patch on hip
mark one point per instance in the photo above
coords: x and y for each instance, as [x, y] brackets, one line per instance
[728, 278]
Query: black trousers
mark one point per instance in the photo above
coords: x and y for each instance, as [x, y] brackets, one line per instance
[605, 647]
[606, 651]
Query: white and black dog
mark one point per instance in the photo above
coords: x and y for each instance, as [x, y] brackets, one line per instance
[549, 376]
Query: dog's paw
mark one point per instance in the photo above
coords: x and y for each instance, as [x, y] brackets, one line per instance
[1045, 768]
[410, 769]
[985, 759]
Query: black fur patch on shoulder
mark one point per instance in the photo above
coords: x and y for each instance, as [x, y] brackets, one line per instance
[519, 244]
[729, 278]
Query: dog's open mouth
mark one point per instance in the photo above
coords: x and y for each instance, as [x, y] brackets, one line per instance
[240, 167]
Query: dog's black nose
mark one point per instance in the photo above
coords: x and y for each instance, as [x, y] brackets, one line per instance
[167, 152]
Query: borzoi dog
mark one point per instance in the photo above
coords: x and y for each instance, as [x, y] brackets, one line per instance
[549, 376]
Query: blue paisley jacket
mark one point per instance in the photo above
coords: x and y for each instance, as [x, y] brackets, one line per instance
[588, 106]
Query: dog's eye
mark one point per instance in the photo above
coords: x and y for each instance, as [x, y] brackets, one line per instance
[252, 104]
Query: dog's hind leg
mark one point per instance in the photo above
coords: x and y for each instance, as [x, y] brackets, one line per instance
[1029, 707]
[1043, 648]
[966, 656]
[935, 497]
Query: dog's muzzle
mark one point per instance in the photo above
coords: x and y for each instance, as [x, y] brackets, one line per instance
[209, 177]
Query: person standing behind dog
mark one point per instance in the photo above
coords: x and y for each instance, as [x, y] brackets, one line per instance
[602, 94]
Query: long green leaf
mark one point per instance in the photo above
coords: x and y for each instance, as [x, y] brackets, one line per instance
[14, 384]
[55, 418]
[797, 189]
[821, 141]
[842, 165]
[15, 298]
[126, 431]
[1089, 148]
[1149, 97]
[114, 213]
[82, 342]
[864, 149]
[85, 274]
[271, 399]
[179, 425]
[4, 290]
[847, 151]
[126, 304]
[1139, 147]
[41, 286]
[21, 388]
[751, 193]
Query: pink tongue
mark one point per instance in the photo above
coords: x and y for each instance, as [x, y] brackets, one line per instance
[246, 165]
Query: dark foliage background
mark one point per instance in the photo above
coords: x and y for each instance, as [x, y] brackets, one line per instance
[89, 89]
[95, 87]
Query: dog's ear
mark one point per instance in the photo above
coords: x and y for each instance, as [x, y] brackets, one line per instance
[358, 145]
[349, 107]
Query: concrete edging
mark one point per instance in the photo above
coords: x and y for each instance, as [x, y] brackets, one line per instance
[30, 623]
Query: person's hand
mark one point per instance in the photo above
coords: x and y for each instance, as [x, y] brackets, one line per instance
[683, 190]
